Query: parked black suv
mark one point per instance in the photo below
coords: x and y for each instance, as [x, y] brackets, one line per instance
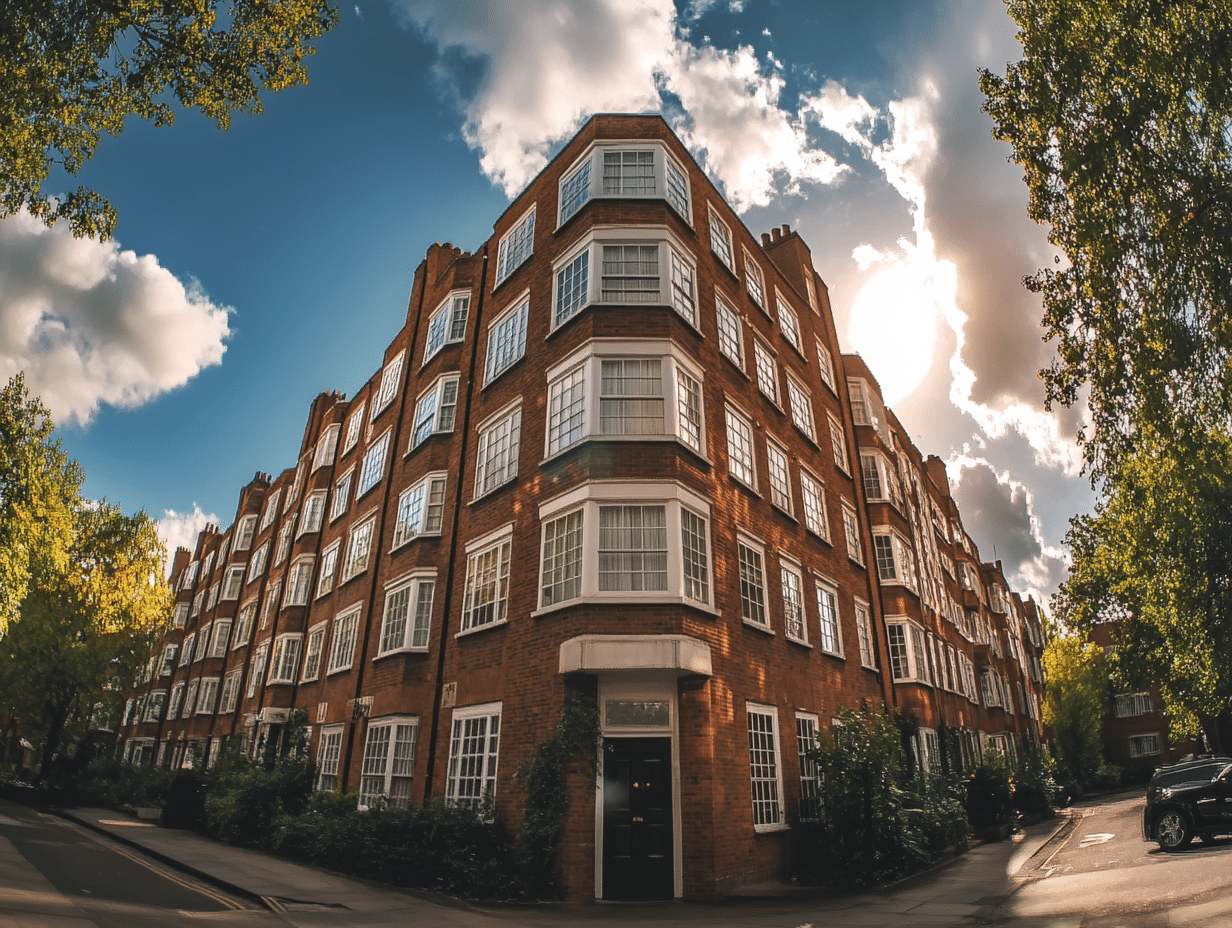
[1187, 799]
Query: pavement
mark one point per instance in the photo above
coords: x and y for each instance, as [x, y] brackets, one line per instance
[962, 890]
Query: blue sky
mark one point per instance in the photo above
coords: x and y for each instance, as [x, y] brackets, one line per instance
[254, 268]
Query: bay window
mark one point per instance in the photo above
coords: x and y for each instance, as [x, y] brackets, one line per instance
[641, 170]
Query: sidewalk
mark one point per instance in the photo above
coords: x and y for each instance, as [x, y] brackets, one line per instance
[956, 892]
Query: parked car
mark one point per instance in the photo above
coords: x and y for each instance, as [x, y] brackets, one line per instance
[1192, 798]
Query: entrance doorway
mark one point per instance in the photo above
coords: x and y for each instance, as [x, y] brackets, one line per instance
[637, 819]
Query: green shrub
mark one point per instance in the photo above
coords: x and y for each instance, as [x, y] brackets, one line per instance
[989, 794]
[113, 784]
[1035, 784]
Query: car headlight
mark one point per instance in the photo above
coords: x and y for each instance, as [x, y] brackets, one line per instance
[1165, 793]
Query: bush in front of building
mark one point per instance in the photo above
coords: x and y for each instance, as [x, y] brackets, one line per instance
[1035, 784]
[876, 821]
[990, 794]
[113, 784]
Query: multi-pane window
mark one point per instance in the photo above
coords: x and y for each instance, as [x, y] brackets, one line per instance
[186, 655]
[233, 582]
[285, 534]
[906, 644]
[506, 341]
[677, 188]
[864, 629]
[312, 653]
[447, 324]
[689, 400]
[720, 240]
[243, 624]
[299, 582]
[342, 495]
[1144, 745]
[154, 708]
[516, 246]
[793, 602]
[256, 672]
[244, 531]
[851, 531]
[810, 779]
[342, 647]
[168, 662]
[695, 556]
[731, 337]
[190, 698]
[212, 599]
[420, 509]
[177, 700]
[838, 445]
[632, 548]
[740, 448]
[814, 496]
[630, 274]
[873, 489]
[575, 191]
[203, 642]
[566, 409]
[179, 615]
[894, 561]
[789, 323]
[684, 297]
[825, 364]
[329, 568]
[270, 511]
[572, 288]
[313, 513]
[801, 407]
[767, 371]
[474, 748]
[389, 385]
[628, 173]
[197, 604]
[435, 410]
[407, 615]
[827, 609]
[327, 445]
[780, 477]
[497, 454]
[285, 661]
[354, 424]
[219, 639]
[631, 397]
[329, 749]
[752, 585]
[754, 281]
[883, 546]
[373, 467]
[486, 599]
[389, 761]
[1131, 704]
[858, 400]
[764, 773]
[562, 559]
[256, 566]
[359, 547]
[208, 696]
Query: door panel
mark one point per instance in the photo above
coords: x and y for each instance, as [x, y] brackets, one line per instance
[637, 819]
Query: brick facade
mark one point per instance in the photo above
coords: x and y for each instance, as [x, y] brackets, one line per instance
[669, 540]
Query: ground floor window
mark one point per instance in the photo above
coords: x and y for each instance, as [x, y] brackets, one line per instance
[1144, 745]
[764, 770]
[389, 762]
[473, 751]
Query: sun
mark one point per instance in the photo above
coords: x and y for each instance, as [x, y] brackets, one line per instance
[894, 328]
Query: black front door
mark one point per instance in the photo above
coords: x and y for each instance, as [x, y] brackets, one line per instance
[637, 818]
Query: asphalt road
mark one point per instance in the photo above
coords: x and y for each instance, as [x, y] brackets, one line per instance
[55, 872]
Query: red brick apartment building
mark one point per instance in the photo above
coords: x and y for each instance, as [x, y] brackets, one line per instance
[613, 452]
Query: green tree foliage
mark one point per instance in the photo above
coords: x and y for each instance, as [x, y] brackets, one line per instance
[39, 489]
[1075, 698]
[76, 69]
[86, 626]
[1157, 552]
[1120, 113]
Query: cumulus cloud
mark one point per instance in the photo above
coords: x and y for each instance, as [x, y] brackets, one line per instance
[180, 529]
[999, 513]
[90, 323]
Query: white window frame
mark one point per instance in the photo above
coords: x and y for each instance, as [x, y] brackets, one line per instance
[778, 470]
[516, 246]
[284, 662]
[825, 366]
[245, 618]
[497, 448]
[506, 343]
[741, 460]
[416, 608]
[801, 405]
[791, 587]
[354, 425]
[828, 620]
[838, 445]
[752, 573]
[329, 569]
[576, 400]
[207, 696]
[585, 179]
[907, 657]
[343, 641]
[175, 702]
[298, 589]
[789, 321]
[388, 760]
[689, 568]
[230, 697]
[813, 494]
[864, 629]
[372, 469]
[489, 581]
[256, 566]
[212, 599]
[851, 533]
[767, 369]
[421, 508]
[730, 328]
[203, 642]
[754, 280]
[285, 536]
[270, 510]
[765, 768]
[389, 385]
[444, 323]
[244, 530]
[810, 775]
[179, 615]
[342, 495]
[329, 751]
[358, 549]
[436, 410]
[1128, 705]
[256, 670]
[313, 514]
[327, 447]
[478, 769]
[720, 237]
[314, 650]
[220, 637]
[186, 653]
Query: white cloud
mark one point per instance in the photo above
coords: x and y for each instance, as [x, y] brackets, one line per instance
[180, 529]
[90, 323]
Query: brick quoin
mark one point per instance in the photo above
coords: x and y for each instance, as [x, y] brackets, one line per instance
[693, 667]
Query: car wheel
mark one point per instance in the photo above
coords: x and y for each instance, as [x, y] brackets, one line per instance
[1172, 830]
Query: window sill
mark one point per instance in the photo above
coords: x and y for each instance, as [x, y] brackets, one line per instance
[767, 829]
[481, 628]
[800, 643]
[396, 651]
[627, 598]
[764, 629]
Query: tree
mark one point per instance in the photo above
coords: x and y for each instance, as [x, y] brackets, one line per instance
[39, 489]
[75, 69]
[1157, 554]
[1075, 696]
[86, 626]
[1118, 113]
